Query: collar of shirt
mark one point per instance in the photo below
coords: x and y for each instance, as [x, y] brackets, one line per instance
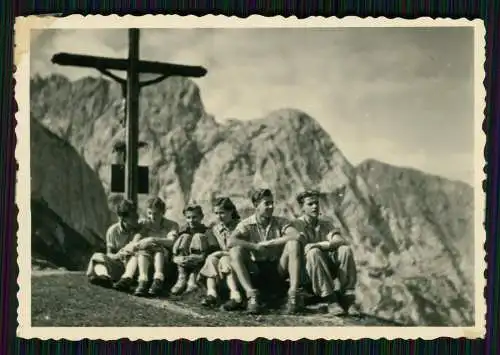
[123, 229]
[222, 232]
[263, 231]
[199, 229]
[312, 228]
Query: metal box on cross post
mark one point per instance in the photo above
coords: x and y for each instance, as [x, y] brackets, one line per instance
[118, 170]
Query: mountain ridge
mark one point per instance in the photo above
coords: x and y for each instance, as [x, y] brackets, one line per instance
[403, 224]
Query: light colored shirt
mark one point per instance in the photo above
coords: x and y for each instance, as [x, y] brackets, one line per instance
[323, 231]
[117, 236]
[221, 234]
[250, 230]
[167, 229]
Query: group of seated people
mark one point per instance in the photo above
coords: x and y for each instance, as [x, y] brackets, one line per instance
[306, 252]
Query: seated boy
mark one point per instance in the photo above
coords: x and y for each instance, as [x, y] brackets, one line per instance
[105, 268]
[153, 243]
[190, 250]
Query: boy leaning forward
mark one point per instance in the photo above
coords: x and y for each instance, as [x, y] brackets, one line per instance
[151, 245]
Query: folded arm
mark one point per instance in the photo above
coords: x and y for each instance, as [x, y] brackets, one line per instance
[237, 239]
[334, 240]
[289, 234]
[149, 242]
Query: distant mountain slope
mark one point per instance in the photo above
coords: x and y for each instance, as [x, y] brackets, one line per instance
[412, 233]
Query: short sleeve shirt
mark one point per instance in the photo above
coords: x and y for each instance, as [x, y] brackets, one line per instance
[118, 236]
[323, 231]
[250, 230]
[167, 229]
[221, 233]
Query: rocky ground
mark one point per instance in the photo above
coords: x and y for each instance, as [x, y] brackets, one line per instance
[66, 299]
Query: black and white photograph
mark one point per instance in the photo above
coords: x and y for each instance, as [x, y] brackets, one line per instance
[181, 174]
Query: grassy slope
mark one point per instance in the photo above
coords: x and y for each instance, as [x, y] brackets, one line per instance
[67, 299]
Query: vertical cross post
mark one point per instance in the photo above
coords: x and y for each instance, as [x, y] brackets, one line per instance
[132, 132]
[131, 87]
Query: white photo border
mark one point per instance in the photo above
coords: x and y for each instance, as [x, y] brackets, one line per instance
[23, 27]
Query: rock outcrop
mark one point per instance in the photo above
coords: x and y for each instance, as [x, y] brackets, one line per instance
[412, 233]
[68, 203]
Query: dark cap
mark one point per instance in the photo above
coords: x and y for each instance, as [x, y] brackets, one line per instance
[307, 193]
[157, 204]
[258, 195]
[125, 208]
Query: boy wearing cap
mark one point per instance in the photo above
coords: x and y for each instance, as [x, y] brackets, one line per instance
[258, 243]
[151, 245]
[329, 261]
[104, 268]
[190, 250]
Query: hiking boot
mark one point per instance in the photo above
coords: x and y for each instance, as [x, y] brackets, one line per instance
[192, 285]
[142, 289]
[124, 284]
[156, 287]
[209, 301]
[179, 286]
[346, 300]
[233, 305]
[102, 281]
[253, 305]
[294, 304]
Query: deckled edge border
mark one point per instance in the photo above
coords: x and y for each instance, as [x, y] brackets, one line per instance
[22, 28]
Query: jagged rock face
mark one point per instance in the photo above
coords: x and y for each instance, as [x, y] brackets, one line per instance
[431, 219]
[412, 233]
[68, 203]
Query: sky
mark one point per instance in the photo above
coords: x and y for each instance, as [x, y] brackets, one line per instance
[400, 95]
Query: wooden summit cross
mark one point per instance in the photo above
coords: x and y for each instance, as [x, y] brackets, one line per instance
[131, 87]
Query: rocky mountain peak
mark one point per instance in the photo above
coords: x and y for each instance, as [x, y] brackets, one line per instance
[412, 232]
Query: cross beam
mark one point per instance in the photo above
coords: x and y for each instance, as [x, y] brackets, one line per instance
[131, 87]
[143, 66]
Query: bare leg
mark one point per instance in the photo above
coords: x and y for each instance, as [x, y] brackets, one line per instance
[232, 284]
[96, 259]
[293, 261]
[238, 256]
[211, 287]
[143, 263]
[159, 263]
[130, 268]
